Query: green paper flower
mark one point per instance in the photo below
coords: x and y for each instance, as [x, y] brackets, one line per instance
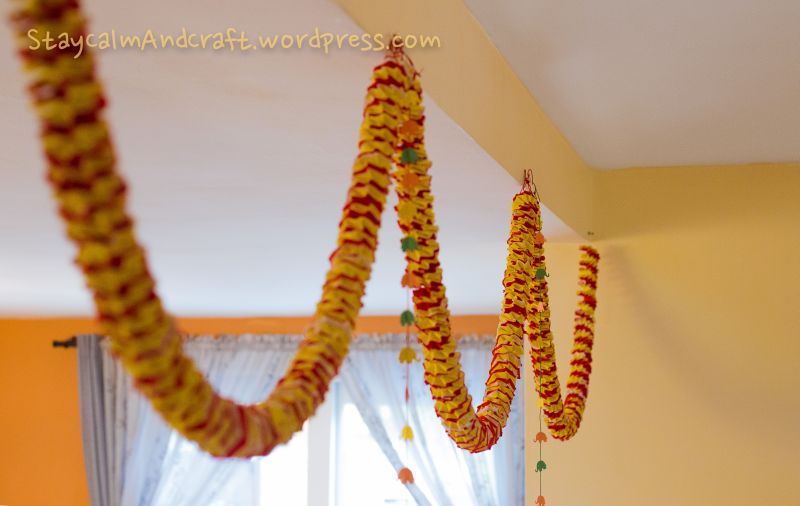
[540, 466]
[408, 243]
[409, 155]
[541, 274]
[406, 318]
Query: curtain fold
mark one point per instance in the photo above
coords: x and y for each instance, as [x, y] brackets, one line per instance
[243, 368]
[123, 439]
[133, 458]
[96, 451]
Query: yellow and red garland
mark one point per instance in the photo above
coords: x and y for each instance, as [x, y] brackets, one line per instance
[524, 299]
[469, 429]
[92, 202]
[563, 416]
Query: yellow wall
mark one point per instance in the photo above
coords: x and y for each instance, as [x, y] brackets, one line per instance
[41, 458]
[694, 396]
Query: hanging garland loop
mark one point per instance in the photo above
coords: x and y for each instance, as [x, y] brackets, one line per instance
[82, 171]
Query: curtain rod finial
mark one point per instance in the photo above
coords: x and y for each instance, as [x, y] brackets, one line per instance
[72, 342]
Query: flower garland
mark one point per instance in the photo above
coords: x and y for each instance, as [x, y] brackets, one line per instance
[563, 418]
[470, 429]
[92, 202]
[91, 196]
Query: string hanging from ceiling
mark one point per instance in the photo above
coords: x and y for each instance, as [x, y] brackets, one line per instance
[407, 356]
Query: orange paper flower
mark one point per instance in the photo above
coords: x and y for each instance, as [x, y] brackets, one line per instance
[405, 476]
[410, 280]
[410, 128]
[410, 181]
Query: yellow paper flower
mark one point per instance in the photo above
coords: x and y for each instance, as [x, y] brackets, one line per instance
[407, 355]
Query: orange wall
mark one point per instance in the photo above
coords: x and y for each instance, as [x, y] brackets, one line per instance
[41, 458]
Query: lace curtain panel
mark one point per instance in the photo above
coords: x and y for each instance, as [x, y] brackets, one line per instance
[134, 459]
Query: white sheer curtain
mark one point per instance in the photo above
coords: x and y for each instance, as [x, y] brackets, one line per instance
[134, 459]
[149, 464]
[445, 474]
[244, 368]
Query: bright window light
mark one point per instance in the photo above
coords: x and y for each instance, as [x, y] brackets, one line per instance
[362, 473]
[283, 474]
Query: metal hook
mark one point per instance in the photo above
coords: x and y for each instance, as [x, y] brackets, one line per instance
[398, 53]
[394, 49]
[528, 184]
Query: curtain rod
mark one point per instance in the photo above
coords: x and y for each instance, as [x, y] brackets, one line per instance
[72, 342]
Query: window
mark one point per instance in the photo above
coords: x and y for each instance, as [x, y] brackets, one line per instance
[336, 459]
[362, 474]
[356, 469]
[283, 474]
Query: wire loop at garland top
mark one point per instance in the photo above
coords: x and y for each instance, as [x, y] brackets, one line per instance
[528, 184]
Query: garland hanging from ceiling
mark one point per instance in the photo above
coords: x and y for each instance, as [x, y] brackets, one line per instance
[91, 195]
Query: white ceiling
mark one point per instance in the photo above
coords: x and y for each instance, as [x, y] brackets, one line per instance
[238, 166]
[655, 83]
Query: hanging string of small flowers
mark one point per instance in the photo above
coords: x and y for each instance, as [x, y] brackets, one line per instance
[562, 418]
[409, 182]
[541, 438]
[407, 356]
[69, 102]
